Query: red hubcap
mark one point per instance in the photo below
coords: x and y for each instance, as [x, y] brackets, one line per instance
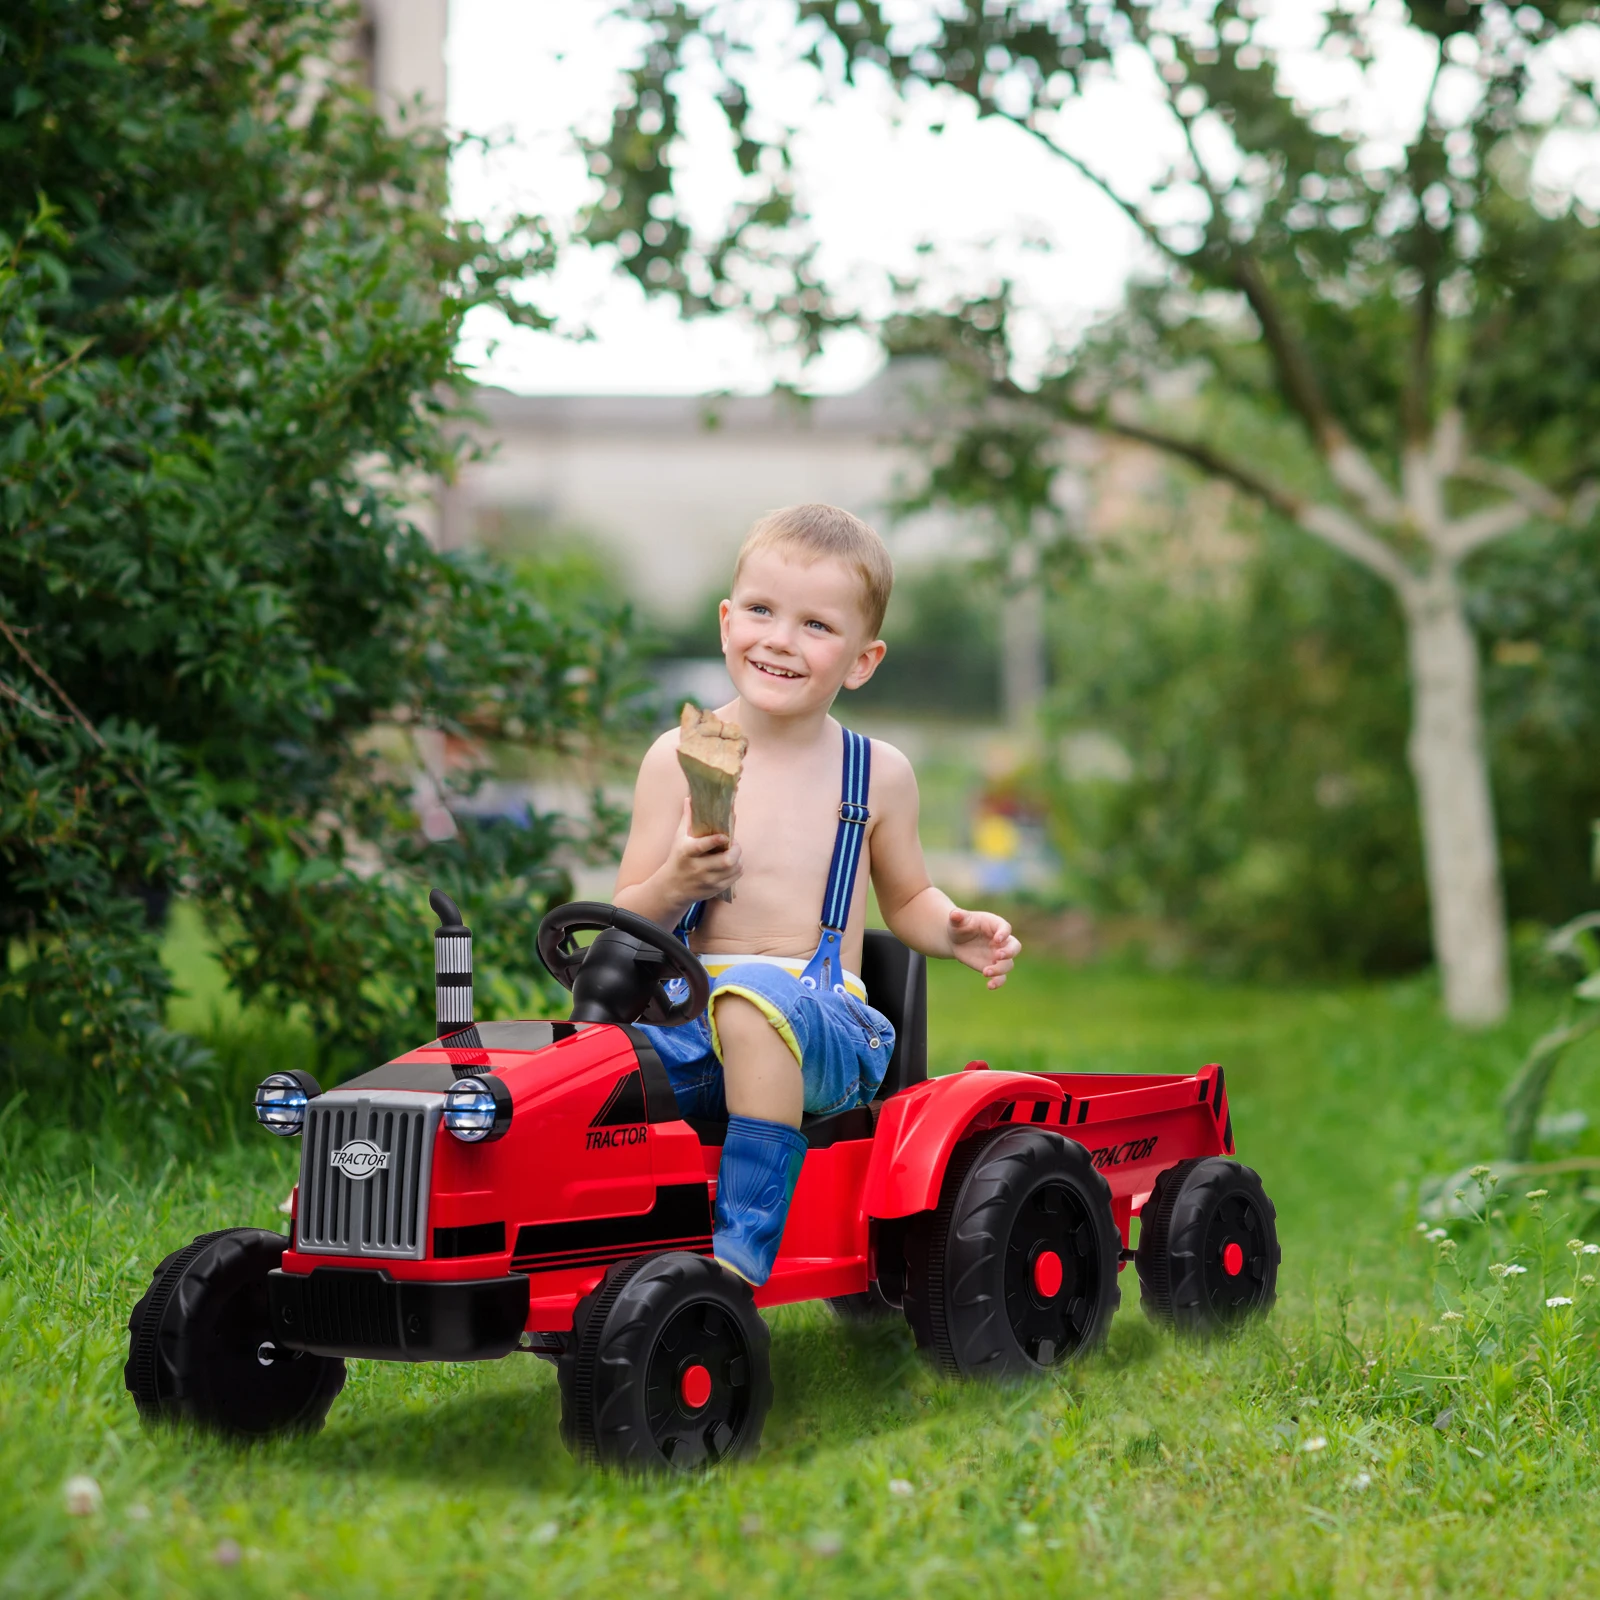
[1047, 1274]
[695, 1387]
[1233, 1258]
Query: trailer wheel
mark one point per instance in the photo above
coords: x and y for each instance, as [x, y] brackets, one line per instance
[1208, 1247]
[668, 1367]
[1016, 1271]
[200, 1344]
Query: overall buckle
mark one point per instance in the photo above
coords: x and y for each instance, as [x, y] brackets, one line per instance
[849, 811]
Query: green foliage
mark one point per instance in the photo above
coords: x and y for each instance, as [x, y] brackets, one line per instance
[1265, 807]
[230, 304]
[1261, 702]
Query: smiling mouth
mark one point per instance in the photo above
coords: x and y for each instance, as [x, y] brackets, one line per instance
[774, 672]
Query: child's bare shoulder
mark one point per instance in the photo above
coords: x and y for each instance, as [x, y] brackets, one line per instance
[894, 780]
[660, 765]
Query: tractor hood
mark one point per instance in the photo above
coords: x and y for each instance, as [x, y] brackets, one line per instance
[486, 1047]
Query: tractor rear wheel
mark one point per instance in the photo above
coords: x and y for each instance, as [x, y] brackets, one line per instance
[667, 1368]
[1016, 1271]
[200, 1344]
[1208, 1247]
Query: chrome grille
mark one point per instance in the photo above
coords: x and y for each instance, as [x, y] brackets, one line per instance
[386, 1214]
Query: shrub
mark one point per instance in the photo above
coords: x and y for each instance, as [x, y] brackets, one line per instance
[227, 374]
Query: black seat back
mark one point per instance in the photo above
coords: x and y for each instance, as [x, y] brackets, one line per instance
[897, 985]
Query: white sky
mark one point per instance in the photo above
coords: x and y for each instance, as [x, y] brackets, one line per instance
[874, 177]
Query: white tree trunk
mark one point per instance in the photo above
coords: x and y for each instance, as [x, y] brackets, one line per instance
[1451, 770]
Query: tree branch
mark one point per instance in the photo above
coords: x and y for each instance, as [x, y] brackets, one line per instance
[1532, 495]
[1327, 523]
[66, 699]
[1347, 464]
[1416, 400]
[1466, 534]
[1147, 228]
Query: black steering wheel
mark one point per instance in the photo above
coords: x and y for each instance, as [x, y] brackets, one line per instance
[629, 974]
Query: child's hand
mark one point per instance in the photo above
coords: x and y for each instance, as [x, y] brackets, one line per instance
[700, 869]
[984, 942]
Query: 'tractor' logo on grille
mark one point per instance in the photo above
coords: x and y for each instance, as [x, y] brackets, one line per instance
[359, 1159]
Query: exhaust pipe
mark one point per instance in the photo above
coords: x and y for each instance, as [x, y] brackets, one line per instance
[452, 970]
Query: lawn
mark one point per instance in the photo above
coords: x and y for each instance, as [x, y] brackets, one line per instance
[1363, 1442]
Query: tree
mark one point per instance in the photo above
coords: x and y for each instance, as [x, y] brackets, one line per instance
[229, 305]
[1395, 350]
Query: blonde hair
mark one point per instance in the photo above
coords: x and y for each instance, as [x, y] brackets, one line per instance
[815, 532]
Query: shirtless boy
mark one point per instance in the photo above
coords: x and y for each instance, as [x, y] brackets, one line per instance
[788, 1029]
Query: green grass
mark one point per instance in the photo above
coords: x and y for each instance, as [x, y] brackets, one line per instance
[1150, 1470]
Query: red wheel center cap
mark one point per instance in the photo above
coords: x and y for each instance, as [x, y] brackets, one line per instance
[1233, 1258]
[695, 1387]
[1047, 1274]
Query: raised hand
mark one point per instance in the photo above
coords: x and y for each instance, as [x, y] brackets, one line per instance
[984, 942]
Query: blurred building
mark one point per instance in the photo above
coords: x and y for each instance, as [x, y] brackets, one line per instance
[402, 44]
[665, 487]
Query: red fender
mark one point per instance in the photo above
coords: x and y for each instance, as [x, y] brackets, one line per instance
[919, 1127]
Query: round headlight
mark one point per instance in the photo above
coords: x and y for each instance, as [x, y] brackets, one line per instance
[477, 1109]
[281, 1102]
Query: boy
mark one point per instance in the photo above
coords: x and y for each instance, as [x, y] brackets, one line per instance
[788, 1029]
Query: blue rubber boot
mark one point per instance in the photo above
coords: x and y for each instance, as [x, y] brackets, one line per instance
[760, 1167]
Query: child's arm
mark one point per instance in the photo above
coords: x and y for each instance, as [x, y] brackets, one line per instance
[918, 914]
[664, 869]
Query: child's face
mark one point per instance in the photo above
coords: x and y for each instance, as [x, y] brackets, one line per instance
[793, 633]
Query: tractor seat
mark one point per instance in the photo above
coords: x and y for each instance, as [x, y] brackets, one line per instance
[897, 985]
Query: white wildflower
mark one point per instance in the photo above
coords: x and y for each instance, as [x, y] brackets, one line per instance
[1515, 1271]
[1362, 1480]
[82, 1496]
[1422, 1227]
[901, 1486]
[1559, 1300]
[1575, 1245]
[1591, 1249]
[1536, 1194]
[1452, 1316]
[1479, 1171]
[1436, 1234]
[1314, 1444]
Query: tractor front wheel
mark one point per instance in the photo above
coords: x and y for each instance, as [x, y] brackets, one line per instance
[1017, 1269]
[200, 1344]
[667, 1368]
[1208, 1247]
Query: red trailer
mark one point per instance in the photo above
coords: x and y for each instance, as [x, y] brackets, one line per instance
[532, 1186]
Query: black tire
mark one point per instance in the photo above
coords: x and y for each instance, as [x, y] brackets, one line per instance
[865, 1309]
[1208, 1247]
[638, 1342]
[200, 1344]
[976, 1279]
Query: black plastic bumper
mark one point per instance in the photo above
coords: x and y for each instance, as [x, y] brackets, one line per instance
[360, 1311]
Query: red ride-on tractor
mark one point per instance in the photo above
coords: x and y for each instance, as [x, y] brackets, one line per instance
[533, 1186]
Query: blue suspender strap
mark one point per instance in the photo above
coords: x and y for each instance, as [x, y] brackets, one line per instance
[825, 970]
[691, 920]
